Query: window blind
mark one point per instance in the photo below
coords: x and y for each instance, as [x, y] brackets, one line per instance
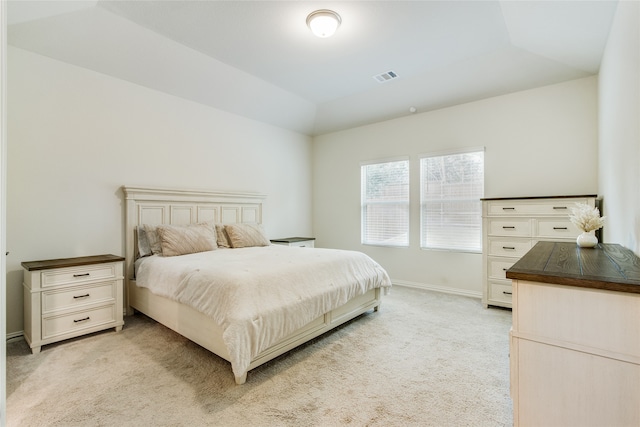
[451, 211]
[385, 203]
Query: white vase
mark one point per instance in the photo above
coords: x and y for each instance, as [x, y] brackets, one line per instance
[587, 239]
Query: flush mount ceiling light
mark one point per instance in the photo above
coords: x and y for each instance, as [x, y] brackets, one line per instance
[323, 23]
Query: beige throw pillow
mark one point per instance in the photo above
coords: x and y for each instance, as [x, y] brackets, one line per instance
[246, 235]
[222, 237]
[186, 239]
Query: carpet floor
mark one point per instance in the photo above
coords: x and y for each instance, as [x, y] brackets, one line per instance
[425, 359]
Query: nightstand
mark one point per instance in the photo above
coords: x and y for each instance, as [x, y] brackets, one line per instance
[303, 242]
[66, 298]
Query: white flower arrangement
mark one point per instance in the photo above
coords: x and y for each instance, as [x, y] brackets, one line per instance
[586, 218]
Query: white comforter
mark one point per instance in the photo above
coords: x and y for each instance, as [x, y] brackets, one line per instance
[259, 295]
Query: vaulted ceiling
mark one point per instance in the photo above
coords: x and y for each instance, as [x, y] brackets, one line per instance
[258, 58]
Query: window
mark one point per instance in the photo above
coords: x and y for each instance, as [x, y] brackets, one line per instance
[451, 212]
[385, 203]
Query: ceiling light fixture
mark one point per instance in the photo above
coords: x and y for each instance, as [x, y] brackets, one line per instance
[323, 23]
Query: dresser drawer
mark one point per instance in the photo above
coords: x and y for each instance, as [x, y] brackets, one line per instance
[599, 319]
[498, 267]
[502, 293]
[509, 247]
[533, 207]
[59, 325]
[556, 229]
[70, 298]
[64, 276]
[510, 227]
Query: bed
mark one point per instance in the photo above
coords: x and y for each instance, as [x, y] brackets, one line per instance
[272, 307]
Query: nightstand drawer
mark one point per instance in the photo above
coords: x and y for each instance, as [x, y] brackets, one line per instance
[85, 319]
[84, 274]
[304, 244]
[78, 297]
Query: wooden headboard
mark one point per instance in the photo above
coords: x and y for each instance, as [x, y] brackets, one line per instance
[148, 205]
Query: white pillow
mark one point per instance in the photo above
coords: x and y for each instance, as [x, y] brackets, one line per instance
[151, 233]
[144, 249]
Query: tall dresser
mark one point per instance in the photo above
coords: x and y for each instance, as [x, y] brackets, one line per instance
[512, 226]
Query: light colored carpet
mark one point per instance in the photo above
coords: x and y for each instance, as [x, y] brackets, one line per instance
[425, 359]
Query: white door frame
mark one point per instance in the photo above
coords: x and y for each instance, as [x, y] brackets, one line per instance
[3, 211]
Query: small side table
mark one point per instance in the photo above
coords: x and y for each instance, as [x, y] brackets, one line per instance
[69, 297]
[302, 242]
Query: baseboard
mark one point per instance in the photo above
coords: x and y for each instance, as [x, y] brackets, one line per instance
[444, 289]
[15, 336]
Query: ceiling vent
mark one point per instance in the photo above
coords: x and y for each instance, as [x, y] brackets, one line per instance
[385, 77]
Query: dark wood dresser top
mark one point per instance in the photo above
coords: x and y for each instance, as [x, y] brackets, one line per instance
[607, 266]
[541, 197]
[70, 262]
[293, 239]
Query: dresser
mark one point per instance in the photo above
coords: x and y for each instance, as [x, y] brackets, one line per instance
[575, 338]
[512, 226]
[303, 242]
[69, 297]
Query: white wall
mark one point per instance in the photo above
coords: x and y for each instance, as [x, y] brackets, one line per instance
[76, 136]
[539, 142]
[619, 150]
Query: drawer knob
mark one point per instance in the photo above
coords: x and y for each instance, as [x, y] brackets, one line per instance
[508, 209]
[81, 275]
[559, 228]
[507, 293]
[508, 227]
[80, 296]
[82, 320]
[560, 207]
[512, 248]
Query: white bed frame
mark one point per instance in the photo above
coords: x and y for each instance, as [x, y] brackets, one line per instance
[166, 206]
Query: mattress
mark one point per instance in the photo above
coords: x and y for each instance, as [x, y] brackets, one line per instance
[259, 295]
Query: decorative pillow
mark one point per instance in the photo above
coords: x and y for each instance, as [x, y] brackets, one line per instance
[246, 235]
[151, 232]
[144, 249]
[222, 237]
[186, 239]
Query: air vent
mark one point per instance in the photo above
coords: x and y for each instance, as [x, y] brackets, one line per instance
[385, 77]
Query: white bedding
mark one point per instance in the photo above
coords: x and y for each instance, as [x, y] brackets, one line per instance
[259, 295]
